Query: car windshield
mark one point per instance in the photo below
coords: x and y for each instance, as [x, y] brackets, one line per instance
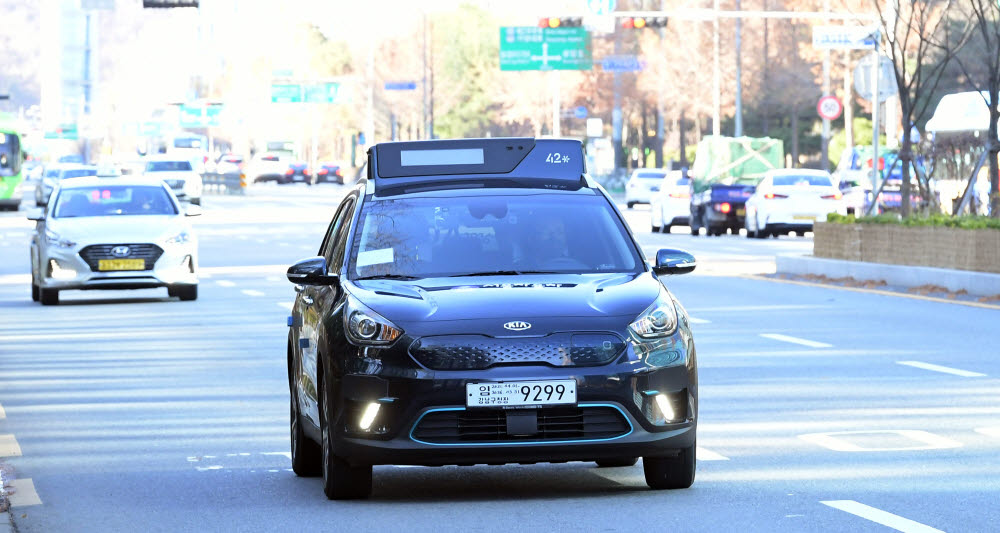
[187, 143]
[113, 200]
[683, 182]
[168, 166]
[51, 173]
[77, 173]
[454, 236]
[651, 175]
[803, 181]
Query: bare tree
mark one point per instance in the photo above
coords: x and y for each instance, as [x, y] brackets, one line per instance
[984, 75]
[921, 41]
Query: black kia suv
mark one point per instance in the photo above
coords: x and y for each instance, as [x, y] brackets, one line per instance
[482, 301]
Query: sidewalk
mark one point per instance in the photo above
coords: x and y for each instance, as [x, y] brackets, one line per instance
[909, 278]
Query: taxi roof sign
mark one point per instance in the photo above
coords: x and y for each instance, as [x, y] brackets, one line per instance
[494, 162]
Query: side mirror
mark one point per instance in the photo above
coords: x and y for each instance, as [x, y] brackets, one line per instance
[193, 211]
[671, 262]
[36, 214]
[312, 271]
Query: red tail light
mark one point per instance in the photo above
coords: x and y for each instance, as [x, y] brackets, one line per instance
[289, 172]
[340, 173]
[305, 171]
[834, 196]
[323, 171]
[680, 195]
[772, 196]
[725, 208]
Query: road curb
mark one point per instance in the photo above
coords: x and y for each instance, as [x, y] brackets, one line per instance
[974, 283]
[5, 524]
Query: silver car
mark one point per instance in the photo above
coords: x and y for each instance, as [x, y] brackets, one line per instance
[55, 174]
[113, 233]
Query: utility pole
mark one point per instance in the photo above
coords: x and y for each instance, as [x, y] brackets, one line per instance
[717, 78]
[825, 140]
[616, 112]
[738, 129]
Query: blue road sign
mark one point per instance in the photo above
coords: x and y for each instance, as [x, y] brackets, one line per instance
[622, 63]
[601, 7]
[400, 85]
[580, 111]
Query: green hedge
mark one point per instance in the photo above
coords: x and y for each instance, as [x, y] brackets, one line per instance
[963, 222]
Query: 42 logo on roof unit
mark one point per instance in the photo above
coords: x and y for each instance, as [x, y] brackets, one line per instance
[556, 157]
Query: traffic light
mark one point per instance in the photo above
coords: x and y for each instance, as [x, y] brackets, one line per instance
[560, 22]
[638, 23]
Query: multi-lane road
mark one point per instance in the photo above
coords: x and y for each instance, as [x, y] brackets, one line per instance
[821, 409]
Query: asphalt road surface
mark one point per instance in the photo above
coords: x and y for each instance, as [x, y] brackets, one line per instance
[821, 409]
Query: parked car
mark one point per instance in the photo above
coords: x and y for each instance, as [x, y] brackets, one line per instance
[228, 163]
[113, 233]
[55, 174]
[791, 199]
[669, 206]
[298, 172]
[642, 184]
[330, 173]
[179, 174]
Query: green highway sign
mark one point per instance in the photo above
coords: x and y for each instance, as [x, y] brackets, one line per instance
[532, 48]
[196, 116]
[282, 93]
[64, 131]
[321, 93]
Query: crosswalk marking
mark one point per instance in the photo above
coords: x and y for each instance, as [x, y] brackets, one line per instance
[9, 446]
[795, 340]
[880, 517]
[251, 292]
[225, 283]
[708, 455]
[285, 305]
[694, 320]
[943, 369]
[3, 414]
[22, 493]
[993, 431]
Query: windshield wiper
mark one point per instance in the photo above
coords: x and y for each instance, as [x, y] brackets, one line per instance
[502, 273]
[389, 276]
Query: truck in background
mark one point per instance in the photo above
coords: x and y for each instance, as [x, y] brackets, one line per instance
[725, 173]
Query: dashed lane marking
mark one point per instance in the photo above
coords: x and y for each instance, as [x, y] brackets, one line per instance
[225, 283]
[3, 414]
[923, 440]
[708, 455]
[993, 431]
[251, 292]
[943, 369]
[880, 517]
[694, 320]
[22, 493]
[795, 340]
[9, 446]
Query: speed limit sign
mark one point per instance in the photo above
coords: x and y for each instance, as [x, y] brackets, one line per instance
[829, 107]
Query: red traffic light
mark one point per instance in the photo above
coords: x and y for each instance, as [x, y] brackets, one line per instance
[560, 22]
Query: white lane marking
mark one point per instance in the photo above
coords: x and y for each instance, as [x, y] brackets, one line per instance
[944, 369]
[928, 441]
[694, 320]
[993, 431]
[251, 292]
[275, 279]
[3, 414]
[22, 493]
[795, 340]
[708, 455]
[225, 283]
[285, 454]
[288, 305]
[207, 468]
[9, 446]
[880, 517]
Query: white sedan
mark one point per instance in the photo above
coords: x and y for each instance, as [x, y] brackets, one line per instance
[670, 205]
[788, 200]
[641, 186]
[179, 174]
[113, 233]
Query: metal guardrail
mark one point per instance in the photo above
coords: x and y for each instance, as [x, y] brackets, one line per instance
[227, 183]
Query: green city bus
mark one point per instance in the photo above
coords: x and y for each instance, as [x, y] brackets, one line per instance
[11, 161]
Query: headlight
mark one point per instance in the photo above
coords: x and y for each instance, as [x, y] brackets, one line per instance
[366, 327]
[658, 320]
[180, 238]
[52, 237]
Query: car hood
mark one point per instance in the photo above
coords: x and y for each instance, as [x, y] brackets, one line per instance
[122, 228]
[484, 304]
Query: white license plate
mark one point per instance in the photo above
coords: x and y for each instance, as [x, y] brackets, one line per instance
[810, 218]
[515, 393]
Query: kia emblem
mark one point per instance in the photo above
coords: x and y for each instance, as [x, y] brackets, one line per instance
[120, 251]
[517, 325]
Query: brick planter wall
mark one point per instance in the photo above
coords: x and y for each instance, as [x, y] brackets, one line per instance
[961, 249]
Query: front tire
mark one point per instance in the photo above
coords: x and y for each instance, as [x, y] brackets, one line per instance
[630, 205]
[48, 296]
[306, 454]
[341, 480]
[34, 289]
[670, 472]
[186, 293]
[666, 228]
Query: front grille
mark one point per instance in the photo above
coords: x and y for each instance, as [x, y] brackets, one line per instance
[490, 425]
[95, 252]
[477, 352]
[175, 184]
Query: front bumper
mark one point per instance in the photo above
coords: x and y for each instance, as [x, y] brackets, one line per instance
[177, 265]
[423, 419]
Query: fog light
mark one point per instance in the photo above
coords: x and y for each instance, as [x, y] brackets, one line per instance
[57, 272]
[368, 417]
[665, 407]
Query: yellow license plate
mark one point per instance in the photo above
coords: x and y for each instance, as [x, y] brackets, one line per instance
[742, 212]
[804, 217]
[121, 264]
